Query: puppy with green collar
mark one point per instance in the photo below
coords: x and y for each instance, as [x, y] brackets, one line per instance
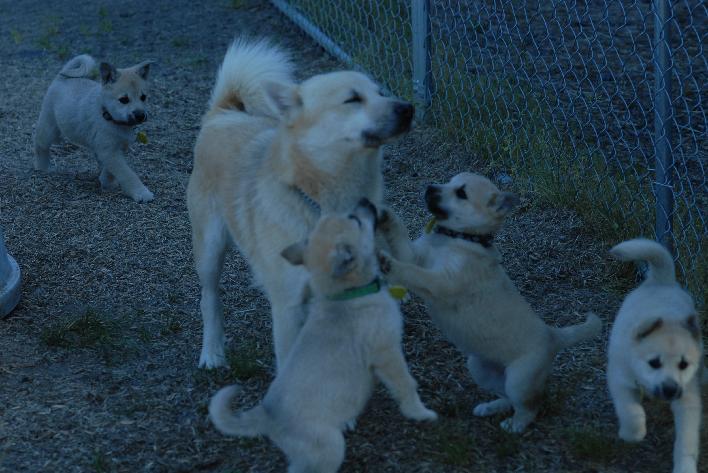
[352, 332]
[458, 271]
[98, 116]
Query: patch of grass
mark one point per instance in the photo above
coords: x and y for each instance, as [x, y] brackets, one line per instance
[453, 445]
[506, 444]
[105, 25]
[180, 42]
[172, 325]
[237, 4]
[585, 444]
[100, 462]
[48, 38]
[248, 361]
[16, 36]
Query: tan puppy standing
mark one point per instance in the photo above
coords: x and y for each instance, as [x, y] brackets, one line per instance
[656, 348]
[458, 271]
[270, 157]
[100, 117]
[352, 332]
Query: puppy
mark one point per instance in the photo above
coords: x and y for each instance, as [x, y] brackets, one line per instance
[270, 158]
[353, 331]
[97, 116]
[656, 349]
[458, 271]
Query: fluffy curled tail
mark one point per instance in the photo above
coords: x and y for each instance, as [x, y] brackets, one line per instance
[250, 423]
[661, 264]
[568, 336]
[248, 67]
[80, 66]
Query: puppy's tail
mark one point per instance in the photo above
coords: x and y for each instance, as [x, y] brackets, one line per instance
[80, 66]
[249, 67]
[568, 336]
[250, 423]
[661, 264]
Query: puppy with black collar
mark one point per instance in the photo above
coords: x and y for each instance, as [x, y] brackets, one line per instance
[458, 271]
[99, 116]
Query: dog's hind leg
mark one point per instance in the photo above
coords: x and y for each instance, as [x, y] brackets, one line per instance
[525, 379]
[209, 243]
[314, 450]
[46, 133]
[489, 376]
[687, 416]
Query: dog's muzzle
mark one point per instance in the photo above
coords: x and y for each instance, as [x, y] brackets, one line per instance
[668, 391]
[400, 122]
[432, 201]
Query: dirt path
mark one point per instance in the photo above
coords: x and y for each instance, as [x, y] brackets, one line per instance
[98, 362]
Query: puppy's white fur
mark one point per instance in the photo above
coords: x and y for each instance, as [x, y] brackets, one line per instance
[327, 377]
[470, 297]
[98, 116]
[269, 156]
[656, 348]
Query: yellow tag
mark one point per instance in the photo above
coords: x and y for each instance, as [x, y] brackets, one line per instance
[397, 292]
[429, 226]
[142, 137]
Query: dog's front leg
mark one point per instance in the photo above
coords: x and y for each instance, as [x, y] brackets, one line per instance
[129, 181]
[630, 413]
[396, 235]
[687, 416]
[391, 368]
[428, 283]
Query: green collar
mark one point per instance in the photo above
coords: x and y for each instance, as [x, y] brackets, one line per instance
[352, 293]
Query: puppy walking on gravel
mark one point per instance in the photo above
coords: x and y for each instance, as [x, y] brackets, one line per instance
[656, 349]
[97, 116]
[271, 156]
[353, 331]
[458, 271]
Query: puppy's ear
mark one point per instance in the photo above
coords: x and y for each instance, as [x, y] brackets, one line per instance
[503, 202]
[343, 260]
[295, 253]
[143, 69]
[108, 73]
[647, 328]
[691, 324]
[283, 97]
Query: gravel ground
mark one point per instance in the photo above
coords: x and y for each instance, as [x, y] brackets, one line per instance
[98, 362]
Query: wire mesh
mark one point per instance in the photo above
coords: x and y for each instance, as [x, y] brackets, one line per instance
[569, 96]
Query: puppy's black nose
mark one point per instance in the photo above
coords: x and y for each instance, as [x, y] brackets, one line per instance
[404, 110]
[140, 116]
[432, 191]
[670, 390]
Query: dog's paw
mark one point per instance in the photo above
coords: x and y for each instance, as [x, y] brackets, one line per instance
[633, 432]
[211, 360]
[423, 414]
[486, 409]
[142, 195]
[385, 262]
[686, 466]
[513, 427]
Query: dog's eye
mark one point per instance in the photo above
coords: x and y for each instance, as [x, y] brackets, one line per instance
[124, 99]
[683, 364]
[655, 363]
[143, 98]
[460, 192]
[356, 98]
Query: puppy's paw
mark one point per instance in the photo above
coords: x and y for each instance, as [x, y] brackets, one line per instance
[385, 261]
[633, 432]
[142, 195]
[423, 414]
[211, 360]
[512, 426]
[686, 466]
[415, 410]
[486, 409]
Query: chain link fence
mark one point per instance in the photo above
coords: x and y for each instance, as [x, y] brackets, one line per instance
[598, 105]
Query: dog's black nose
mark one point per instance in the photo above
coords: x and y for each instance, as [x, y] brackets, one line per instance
[140, 116]
[432, 191]
[670, 390]
[404, 110]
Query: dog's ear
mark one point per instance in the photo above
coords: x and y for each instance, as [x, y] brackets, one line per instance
[647, 328]
[284, 97]
[503, 202]
[691, 324]
[295, 253]
[342, 260]
[143, 69]
[109, 74]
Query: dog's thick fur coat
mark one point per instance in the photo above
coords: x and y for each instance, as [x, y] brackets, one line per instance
[472, 300]
[327, 377]
[270, 157]
[98, 116]
[656, 348]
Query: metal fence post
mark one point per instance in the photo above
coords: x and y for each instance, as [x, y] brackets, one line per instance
[420, 27]
[663, 185]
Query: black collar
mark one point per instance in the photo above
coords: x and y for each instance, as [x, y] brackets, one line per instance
[109, 118]
[484, 240]
[309, 200]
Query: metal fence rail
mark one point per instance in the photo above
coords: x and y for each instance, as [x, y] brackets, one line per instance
[598, 105]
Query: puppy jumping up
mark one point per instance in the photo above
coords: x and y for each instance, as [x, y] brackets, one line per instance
[458, 271]
[353, 330]
[97, 116]
[656, 349]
